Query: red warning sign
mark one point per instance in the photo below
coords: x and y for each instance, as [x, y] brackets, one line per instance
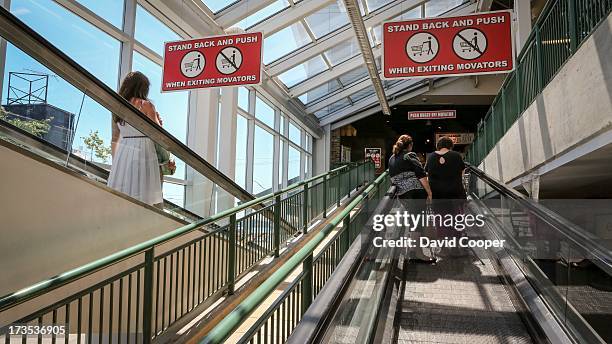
[228, 60]
[442, 114]
[465, 45]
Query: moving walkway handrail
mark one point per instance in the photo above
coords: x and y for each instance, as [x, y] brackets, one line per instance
[23, 37]
[581, 238]
[40, 288]
[233, 320]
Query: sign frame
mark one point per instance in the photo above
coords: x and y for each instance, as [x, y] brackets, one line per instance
[513, 43]
[261, 66]
[454, 112]
[379, 150]
[439, 135]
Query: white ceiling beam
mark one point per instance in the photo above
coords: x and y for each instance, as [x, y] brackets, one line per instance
[419, 87]
[180, 11]
[342, 34]
[240, 10]
[334, 72]
[363, 40]
[367, 102]
[289, 16]
[339, 95]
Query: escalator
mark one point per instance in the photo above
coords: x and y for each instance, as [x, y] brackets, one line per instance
[57, 211]
[551, 282]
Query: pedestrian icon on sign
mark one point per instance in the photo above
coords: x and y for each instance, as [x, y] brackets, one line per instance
[422, 47]
[470, 44]
[229, 60]
[192, 64]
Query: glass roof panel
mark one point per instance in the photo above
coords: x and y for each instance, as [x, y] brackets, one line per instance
[376, 4]
[342, 51]
[342, 103]
[321, 91]
[285, 41]
[362, 94]
[353, 75]
[262, 14]
[437, 7]
[412, 14]
[218, 5]
[303, 71]
[327, 19]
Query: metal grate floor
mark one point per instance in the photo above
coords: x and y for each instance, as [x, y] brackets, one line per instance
[458, 300]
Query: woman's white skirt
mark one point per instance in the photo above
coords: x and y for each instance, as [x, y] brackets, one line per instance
[135, 170]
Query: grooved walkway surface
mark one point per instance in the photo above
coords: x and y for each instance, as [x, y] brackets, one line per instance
[459, 300]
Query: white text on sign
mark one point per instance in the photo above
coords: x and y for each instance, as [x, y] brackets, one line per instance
[445, 24]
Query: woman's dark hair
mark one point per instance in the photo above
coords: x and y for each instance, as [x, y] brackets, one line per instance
[403, 142]
[445, 142]
[134, 85]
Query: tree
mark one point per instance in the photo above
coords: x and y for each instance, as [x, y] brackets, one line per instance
[35, 127]
[96, 145]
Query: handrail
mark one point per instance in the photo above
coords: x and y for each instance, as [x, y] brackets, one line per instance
[229, 323]
[23, 37]
[23, 295]
[571, 32]
[573, 232]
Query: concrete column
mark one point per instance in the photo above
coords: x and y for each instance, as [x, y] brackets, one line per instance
[226, 161]
[201, 137]
[522, 28]
[277, 160]
[285, 152]
[320, 152]
[531, 183]
[127, 47]
[250, 143]
[302, 155]
[7, 5]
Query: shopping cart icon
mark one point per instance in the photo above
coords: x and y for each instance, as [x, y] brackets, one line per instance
[466, 47]
[193, 65]
[423, 48]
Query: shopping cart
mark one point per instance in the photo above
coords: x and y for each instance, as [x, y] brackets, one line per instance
[466, 47]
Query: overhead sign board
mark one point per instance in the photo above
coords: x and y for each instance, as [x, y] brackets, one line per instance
[442, 114]
[217, 61]
[457, 138]
[375, 155]
[449, 46]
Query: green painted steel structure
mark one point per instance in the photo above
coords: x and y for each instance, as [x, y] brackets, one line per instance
[562, 26]
[279, 320]
[139, 302]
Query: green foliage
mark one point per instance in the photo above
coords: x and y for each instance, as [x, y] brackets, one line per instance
[96, 146]
[33, 126]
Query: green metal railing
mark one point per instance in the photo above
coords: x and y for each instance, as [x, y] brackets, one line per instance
[139, 303]
[282, 316]
[562, 26]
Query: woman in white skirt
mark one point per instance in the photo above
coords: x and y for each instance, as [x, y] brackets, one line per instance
[135, 169]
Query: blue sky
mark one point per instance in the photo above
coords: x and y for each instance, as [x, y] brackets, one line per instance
[99, 53]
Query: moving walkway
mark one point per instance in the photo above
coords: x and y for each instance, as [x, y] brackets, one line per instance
[506, 295]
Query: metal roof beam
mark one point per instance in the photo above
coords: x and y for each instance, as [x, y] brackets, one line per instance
[342, 34]
[339, 95]
[352, 8]
[334, 72]
[240, 10]
[289, 16]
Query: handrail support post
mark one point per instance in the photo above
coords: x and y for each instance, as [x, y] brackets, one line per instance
[277, 210]
[324, 196]
[305, 209]
[307, 283]
[147, 307]
[231, 270]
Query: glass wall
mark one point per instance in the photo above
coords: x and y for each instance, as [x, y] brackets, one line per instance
[95, 40]
[263, 160]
